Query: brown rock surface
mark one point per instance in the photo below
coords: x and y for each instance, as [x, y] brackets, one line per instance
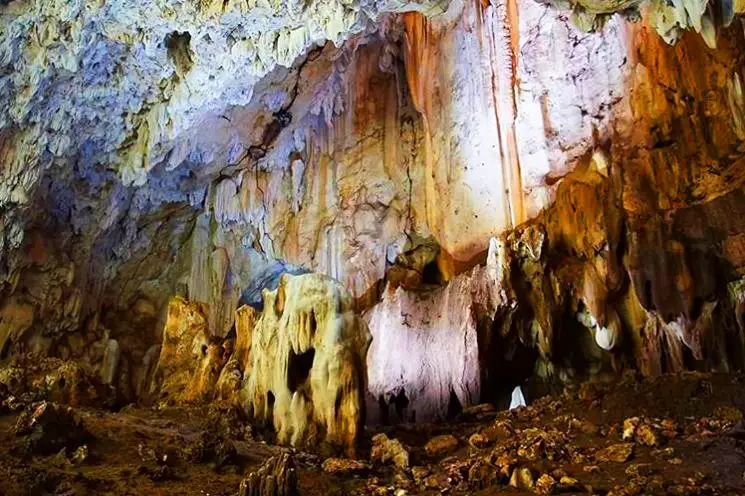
[619, 453]
[385, 450]
[441, 445]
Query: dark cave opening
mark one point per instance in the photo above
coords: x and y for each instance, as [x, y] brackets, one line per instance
[179, 50]
[431, 274]
[455, 407]
[298, 368]
[5, 352]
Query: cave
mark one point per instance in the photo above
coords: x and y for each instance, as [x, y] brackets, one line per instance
[393, 247]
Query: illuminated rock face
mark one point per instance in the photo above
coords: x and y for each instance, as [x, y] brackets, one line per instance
[201, 150]
[189, 363]
[424, 357]
[307, 373]
[299, 364]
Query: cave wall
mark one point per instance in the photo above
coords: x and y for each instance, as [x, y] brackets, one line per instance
[225, 144]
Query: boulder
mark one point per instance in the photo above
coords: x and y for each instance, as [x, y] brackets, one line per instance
[441, 445]
[385, 450]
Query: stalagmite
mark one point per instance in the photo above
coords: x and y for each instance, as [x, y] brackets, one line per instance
[307, 373]
[517, 399]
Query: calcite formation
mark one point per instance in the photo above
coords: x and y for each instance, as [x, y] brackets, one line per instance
[181, 183]
[298, 365]
[307, 363]
[424, 358]
[190, 362]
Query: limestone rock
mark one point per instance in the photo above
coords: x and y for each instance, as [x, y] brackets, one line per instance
[425, 345]
[190, 361]
[385, 450]
[545, 484]
[482, 474]
[192, 148]
[728, 413]
[344, 466]
[629, 428]
[239, 363]
[522, 478]
[48, 427]
[307, 372]
[618, 453]
[647, 436]
[110, 367]
[276, 477]
[441, 445]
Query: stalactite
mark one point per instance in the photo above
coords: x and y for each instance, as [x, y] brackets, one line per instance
[418, 56]
[504, 47]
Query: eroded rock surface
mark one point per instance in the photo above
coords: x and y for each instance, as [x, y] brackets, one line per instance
[307, 373]
[165, 164]
[298, 365]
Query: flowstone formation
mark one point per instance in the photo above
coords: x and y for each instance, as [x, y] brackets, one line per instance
[299, 365]
[228, 203]
[307, 363]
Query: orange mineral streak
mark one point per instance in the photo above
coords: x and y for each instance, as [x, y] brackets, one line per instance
[419, 74]
[418, 58]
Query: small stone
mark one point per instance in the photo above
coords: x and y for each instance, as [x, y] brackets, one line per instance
[147, 455]
[386, 450]
[502, 429]
[522, 478]
[478, 412]
[402, 480]
[584, 426]
[568, 481]
[505, 463]
[482, 474]
[441, 445]
[675, 461]
[629, 428]
[344, 466]
[80, 455]
[646, 435]
[419, 473]
[669, 425]
[478, 440]
[558, 473]
[664, 454]
[437, 481]
[545, 484]
[590, 469]
[60, 459]
[618, 453]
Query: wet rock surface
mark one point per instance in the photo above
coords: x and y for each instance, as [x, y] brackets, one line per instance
[587, 440]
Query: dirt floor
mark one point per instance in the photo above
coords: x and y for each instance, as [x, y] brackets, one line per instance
[677, 435]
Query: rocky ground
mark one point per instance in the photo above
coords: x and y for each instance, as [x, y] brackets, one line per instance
[681, 434]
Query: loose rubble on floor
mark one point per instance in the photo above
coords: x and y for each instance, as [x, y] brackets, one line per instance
[678, 434]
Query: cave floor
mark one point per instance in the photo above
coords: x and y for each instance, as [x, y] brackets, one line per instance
[689, 439]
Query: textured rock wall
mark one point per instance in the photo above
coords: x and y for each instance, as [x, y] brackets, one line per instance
[298, 366]
[202, 149]
[424, 358]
